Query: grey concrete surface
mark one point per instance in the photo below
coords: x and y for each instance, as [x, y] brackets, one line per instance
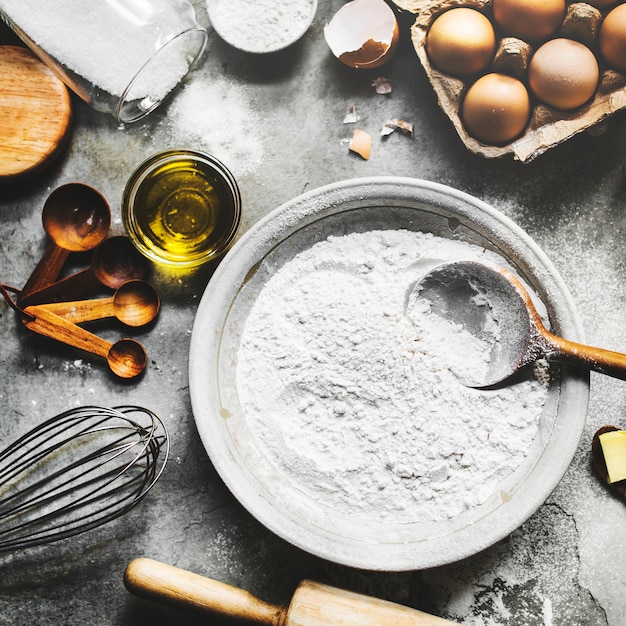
[276, 121]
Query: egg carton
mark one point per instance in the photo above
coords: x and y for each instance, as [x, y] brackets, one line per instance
[548, 127]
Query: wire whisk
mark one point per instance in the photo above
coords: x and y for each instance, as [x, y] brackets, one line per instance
[77, 471]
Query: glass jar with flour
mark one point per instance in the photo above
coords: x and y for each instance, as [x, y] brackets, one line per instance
[120, 56]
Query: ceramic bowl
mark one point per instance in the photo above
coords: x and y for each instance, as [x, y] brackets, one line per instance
[350, 206]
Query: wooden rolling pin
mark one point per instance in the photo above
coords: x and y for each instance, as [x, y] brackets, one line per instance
[313, 604]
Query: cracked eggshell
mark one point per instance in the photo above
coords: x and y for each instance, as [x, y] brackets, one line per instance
[363, 33]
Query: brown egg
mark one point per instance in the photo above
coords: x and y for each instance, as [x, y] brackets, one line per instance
[563, 73]
[496, 109]
[461, 42]
[612, 38]
[530, 20]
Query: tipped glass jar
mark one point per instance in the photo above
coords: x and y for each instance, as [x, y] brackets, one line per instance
[122, 57]
[181, 208]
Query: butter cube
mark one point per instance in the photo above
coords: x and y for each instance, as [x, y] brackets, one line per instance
[614, 449]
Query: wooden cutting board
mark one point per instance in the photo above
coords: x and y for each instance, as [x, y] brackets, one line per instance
[35, 113]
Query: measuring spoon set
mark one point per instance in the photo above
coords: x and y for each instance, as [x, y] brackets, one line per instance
[77, 218]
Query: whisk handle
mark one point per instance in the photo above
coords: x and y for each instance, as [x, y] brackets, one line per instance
[172, 585]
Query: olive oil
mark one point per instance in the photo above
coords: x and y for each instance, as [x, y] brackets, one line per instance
[182, 208]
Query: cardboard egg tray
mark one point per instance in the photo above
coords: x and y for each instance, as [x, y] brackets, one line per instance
[548, 126]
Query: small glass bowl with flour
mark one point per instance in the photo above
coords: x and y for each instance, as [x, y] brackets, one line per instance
[122, 58]
[261, 26]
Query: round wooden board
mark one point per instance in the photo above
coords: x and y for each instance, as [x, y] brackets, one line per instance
[35, 112]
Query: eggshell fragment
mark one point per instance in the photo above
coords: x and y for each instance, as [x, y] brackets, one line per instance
[361, 143]
[396, 124]
[563, 73]
[496, 109]
[363, 33]
[461, 42]
[382, 85]
[612, 38]
[351, 117]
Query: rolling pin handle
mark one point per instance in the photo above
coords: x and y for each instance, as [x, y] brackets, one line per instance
[165, 583]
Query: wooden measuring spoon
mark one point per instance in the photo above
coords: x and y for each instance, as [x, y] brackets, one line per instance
[126, 357]
[77, 218]
[135, 303]
[115, 261]
[599, 464]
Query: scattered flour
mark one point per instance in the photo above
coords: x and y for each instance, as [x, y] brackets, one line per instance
[349, 395]
[217, 117]
[260, 25]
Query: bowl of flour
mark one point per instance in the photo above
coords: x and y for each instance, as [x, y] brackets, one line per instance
[324, 399]
[261, 26]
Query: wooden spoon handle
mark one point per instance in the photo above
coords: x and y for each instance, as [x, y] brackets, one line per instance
[50, 325]
[165, 583]
[79, 311]
[580, 355]
[71, 287]
[46, 271]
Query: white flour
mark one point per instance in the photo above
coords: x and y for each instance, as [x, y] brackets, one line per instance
[217, 117]
[260, 25]
[348, 393]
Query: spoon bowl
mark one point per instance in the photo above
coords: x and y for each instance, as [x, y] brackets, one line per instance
[76, 218]
[126, 358]
[134, 303]
[492, 304]
[114, 262]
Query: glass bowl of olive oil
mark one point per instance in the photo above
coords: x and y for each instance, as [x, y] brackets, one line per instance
[181, 208]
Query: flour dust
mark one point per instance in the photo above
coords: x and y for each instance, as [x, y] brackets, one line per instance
[217, 117]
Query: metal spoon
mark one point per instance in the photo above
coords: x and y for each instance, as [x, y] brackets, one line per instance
[134, 303]
[77, 218]
[126, 357]
[115, 261]
[491, 303]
